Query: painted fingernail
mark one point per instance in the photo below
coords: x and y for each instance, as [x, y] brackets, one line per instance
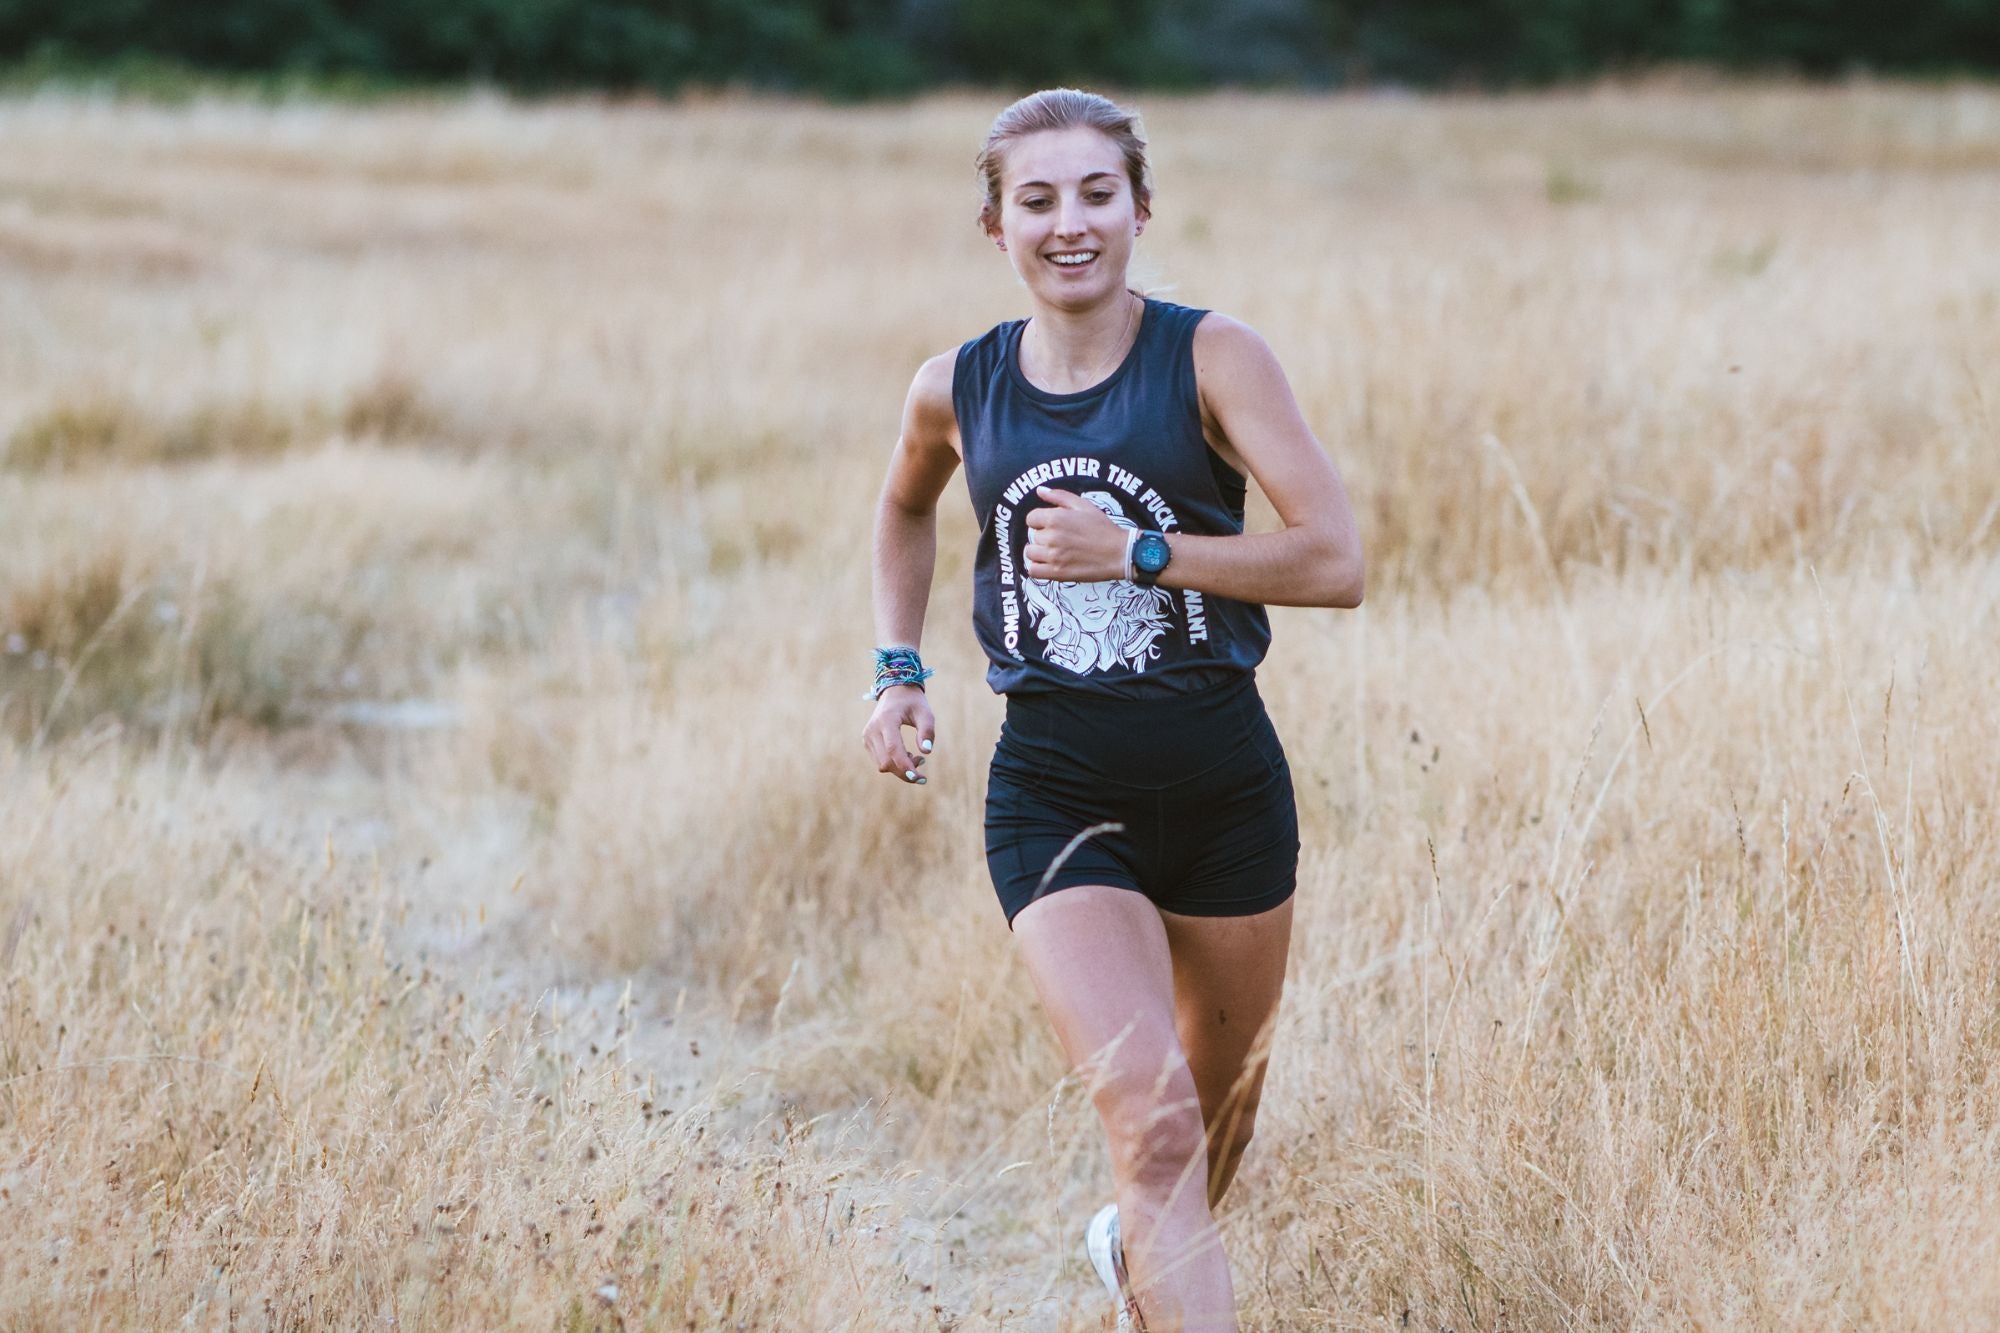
[909, 775]
[927, 747]
[922, 781]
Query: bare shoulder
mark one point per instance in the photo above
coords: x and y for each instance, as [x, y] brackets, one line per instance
[1237, 376]
[934, 379]
[929, 416]
[1223, 343]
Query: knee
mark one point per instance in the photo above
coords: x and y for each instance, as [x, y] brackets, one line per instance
[1154, 1126]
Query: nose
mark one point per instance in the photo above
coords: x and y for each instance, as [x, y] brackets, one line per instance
[1069, 224]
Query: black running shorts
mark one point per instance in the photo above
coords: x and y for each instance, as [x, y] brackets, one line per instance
[1198, 781]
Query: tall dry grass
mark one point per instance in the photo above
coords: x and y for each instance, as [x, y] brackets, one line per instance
[433, 585]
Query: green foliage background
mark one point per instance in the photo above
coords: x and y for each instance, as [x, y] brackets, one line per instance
[856, 48]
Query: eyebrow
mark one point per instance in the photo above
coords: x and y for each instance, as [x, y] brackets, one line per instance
[1095, 175]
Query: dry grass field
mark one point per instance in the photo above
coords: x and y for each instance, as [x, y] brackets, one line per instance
[441, 887]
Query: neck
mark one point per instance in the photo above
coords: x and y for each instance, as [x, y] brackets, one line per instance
[1074, 349]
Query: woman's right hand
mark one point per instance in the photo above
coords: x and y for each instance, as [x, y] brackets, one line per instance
[900, 706]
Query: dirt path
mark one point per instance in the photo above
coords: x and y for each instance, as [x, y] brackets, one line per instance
[987, 1236]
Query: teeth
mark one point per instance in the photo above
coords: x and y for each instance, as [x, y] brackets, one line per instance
[1073, 260]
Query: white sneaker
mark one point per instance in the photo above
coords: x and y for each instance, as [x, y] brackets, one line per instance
[1107, 1255]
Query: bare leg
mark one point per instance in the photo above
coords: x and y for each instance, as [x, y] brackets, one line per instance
[1228, 974]
[1100, 961]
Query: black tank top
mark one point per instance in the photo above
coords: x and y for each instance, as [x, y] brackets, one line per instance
[1132, 445]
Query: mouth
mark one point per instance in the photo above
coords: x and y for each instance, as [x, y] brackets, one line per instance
[1073, 259]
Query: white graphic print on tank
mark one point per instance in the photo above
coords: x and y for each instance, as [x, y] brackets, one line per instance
[1088, 627]
[1132, 445]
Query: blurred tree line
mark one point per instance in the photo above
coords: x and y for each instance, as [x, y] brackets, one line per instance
[854, 48]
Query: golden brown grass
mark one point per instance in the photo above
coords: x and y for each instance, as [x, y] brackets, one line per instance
[1644, 971]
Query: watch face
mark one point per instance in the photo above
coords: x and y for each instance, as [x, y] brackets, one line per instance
[1151, 553]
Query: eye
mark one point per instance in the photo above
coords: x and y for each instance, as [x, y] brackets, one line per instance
[1100, 196]
[1035, 201]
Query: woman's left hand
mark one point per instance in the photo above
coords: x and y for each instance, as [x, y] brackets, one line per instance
[1071, 540]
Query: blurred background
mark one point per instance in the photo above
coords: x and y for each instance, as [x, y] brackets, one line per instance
[861, 48]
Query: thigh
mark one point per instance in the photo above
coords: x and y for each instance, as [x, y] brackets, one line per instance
[1099, 959]
[1228, 974]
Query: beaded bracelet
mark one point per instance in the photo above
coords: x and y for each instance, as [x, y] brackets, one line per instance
[897, 666]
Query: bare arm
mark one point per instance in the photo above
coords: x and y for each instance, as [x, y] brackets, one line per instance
[926, 455]
[1253, 421]
[905, 557]
[1315, 559]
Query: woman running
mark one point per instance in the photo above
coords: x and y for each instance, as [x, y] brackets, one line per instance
[1140, 828]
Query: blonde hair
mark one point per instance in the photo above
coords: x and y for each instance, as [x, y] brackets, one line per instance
[1063, 109]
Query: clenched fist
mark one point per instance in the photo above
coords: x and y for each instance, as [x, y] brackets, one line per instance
[1071, 540]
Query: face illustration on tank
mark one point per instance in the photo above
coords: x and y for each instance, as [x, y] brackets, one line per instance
[1095, 605]
[1087, 627]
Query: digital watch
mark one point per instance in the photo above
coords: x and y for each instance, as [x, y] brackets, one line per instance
[1149, 555]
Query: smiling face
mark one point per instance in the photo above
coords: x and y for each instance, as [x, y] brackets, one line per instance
[1068, 218]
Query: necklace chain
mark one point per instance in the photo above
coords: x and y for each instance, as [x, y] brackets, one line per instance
[1118, 347]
